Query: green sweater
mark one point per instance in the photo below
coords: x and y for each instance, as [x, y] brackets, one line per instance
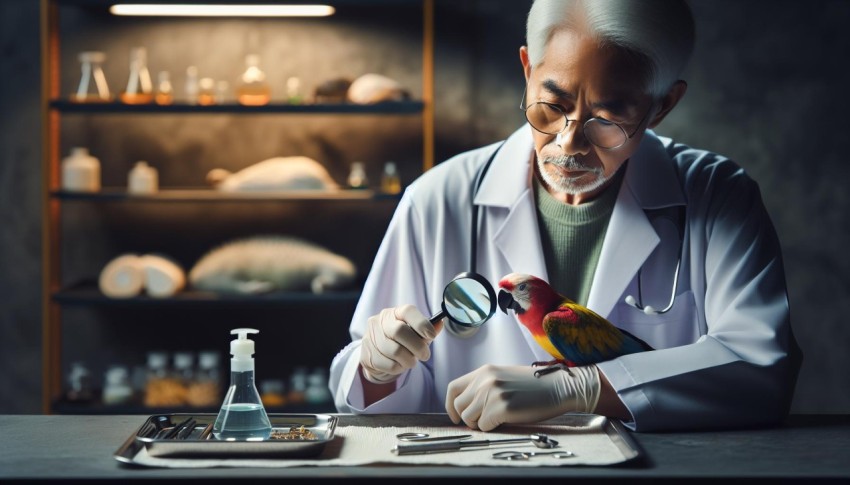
[572, 238]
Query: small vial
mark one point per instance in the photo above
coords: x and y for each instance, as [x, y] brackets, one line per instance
[164, 90]
[139, 85]
[93, 87]
[190, 89]
[357, 177]
[253, 90]
[390, 181]
[206, 92]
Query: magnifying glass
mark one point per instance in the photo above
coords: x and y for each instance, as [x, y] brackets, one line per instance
[468, 301]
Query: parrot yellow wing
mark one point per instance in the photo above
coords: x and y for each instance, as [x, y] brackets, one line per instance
[583, 337]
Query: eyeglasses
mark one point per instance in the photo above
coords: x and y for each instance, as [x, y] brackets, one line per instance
[551, 119]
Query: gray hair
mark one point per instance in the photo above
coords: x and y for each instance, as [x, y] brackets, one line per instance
[660, 32]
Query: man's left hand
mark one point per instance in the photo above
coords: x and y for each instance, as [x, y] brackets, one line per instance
[492, 395]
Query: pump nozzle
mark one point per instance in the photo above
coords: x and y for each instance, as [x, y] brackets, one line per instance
[242, 348]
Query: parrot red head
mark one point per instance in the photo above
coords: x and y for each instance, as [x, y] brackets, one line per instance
[529, 296]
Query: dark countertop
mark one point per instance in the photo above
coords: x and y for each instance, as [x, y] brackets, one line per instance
[79, 449]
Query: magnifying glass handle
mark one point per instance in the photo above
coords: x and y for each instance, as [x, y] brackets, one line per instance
[439, 316]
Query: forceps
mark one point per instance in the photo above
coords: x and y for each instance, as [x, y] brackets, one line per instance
[526, 455]
[420, 437]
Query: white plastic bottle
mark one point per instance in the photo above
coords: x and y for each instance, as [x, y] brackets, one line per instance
[242, 416]
[80, 171]
[142, 179]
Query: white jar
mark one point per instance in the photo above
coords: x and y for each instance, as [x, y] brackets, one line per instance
[80, 171]
[142, 179]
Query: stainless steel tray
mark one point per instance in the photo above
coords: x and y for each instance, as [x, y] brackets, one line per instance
[157, 434]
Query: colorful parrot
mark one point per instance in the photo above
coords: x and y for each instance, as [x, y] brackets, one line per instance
[574, 335]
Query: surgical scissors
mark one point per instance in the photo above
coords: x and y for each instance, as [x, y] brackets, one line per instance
[525, 455]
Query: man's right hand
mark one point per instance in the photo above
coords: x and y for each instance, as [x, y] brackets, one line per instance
[395, 340]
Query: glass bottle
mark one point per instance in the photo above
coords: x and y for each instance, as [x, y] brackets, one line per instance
[191, 87]
[161, 388]
[221, 89]
[357, 177]
[184, 373]
[205, 390]
[206, 91]
[93, 87]
[79, 384]
[164, 90]
[272, 393]
[297, 385]
[116, 387]
[293, 91]
[317, 387]
[390, 181]
[253, 90]
[242, 416]
[139, 85]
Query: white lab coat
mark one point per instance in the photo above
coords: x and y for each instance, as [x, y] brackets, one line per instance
[725, 355]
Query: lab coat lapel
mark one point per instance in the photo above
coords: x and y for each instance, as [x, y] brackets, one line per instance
[650, 183]
[630, 239]
[506, 190]
[507, 200]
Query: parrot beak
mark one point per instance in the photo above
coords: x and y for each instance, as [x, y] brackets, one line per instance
[507, 301]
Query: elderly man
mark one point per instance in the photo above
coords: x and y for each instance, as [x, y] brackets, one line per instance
[587, 197]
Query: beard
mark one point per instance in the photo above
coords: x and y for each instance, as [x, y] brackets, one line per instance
[590, 180]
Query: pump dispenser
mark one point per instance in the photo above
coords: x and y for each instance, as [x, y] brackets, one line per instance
[242, 416]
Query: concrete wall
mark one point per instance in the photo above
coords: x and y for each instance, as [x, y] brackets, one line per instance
[767, 86]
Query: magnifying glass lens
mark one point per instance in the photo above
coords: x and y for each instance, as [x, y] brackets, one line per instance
[468, 302]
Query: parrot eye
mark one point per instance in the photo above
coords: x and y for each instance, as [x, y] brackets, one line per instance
[521, 287]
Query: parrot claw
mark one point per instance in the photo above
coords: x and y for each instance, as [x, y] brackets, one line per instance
[550, 369]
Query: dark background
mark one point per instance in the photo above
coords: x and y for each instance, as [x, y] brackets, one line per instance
[768, 88]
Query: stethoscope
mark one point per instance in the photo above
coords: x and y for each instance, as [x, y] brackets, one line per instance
[649, 309]
[629, 300]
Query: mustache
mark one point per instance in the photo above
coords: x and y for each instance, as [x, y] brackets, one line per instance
[568, 162]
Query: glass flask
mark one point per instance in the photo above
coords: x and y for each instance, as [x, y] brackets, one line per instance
[253, 89]
[139, 85]
[164, 89]
[93, 87]
[242, 416]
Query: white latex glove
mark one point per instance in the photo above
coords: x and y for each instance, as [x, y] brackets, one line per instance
[396, 339]
[492, 395]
